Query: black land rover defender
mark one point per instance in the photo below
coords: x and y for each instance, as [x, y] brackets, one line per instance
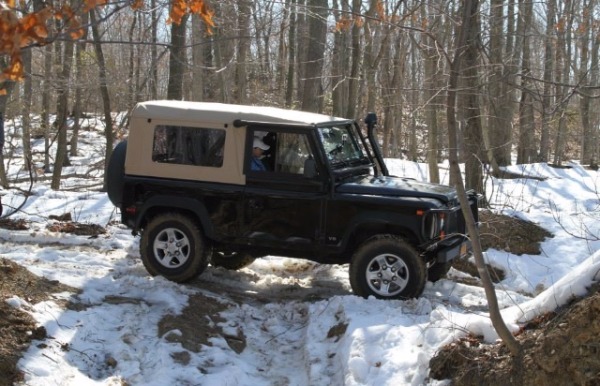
[225, 184]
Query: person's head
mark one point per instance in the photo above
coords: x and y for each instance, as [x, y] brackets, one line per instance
[259, 147]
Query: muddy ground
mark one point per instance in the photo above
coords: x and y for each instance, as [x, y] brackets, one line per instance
[562, 347]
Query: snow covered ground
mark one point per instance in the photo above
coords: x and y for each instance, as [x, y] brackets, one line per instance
[302, 325]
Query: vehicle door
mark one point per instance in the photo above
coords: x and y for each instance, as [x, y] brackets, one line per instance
[283, 204]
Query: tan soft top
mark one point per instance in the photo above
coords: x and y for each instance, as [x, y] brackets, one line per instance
[147, 115]
[226, 113]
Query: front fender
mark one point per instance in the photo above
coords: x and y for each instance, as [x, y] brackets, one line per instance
[368, 224]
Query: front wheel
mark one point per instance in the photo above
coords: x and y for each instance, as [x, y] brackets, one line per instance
[172, 246]
[386, 267]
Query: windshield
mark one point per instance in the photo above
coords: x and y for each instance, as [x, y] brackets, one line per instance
[342, 146]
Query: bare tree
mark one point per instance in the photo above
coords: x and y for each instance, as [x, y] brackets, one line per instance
[291, 58]
[468, 33]
[340, 60]
[154, 51]
[355, 60]
[432, 69]
[8, 87]
[548, 97]
[526, 152]
[62, 113]
[588, 76]
[199, 65]
[313, 88]
[177, 59]
[131, 80]
[502, 66]
[563, 70]
[108, 128]
[243, 46]
[78, 103]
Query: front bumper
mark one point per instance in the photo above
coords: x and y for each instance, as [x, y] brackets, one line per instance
[461, 248]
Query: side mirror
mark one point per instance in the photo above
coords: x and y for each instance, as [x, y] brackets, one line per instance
[310, 168]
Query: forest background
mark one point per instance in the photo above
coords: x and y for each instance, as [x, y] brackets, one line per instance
[528, 84]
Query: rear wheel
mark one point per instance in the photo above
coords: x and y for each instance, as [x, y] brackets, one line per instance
[231, 261]
[388, 268]
[172, 245]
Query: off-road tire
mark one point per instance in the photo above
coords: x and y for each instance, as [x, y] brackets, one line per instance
[172, 245]
[232, 262]
[115, 174]
[387, 267]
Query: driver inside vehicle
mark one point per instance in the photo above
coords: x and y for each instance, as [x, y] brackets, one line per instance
[258, 149]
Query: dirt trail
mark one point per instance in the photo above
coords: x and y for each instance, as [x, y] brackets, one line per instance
[559, 348]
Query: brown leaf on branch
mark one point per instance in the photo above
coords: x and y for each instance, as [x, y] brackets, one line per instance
[91, 4]
[137, 4]
[179, 8]
[14, 71]
[18, 32]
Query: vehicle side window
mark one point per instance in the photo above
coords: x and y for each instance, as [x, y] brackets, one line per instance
[291, 153]
[288, 152]
[188, 145]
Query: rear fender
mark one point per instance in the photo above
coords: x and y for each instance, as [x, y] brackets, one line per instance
[162, 203]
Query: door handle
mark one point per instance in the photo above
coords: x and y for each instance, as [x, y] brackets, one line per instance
[255, 204]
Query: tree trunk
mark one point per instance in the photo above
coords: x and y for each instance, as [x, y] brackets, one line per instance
[595, 107]
[108, 129]
[317, 30]
[470, 10]
[291, 67]
[8, 87]
[46, 101]
[586, 74]
[222, 51]
[563, 92]
[198, 66]
[370, 57]
[548, 98]
[62, 113]
[355, 66]
[280, 62]
[432, 58]
[500, 92]
[177, 59]
[526, 150]
[77, 108]
[302, 43]
[26, 108]
[474, 154]
[131, 84]
[154, 51]
[243, 46]
[340, 59]
[413, 100]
